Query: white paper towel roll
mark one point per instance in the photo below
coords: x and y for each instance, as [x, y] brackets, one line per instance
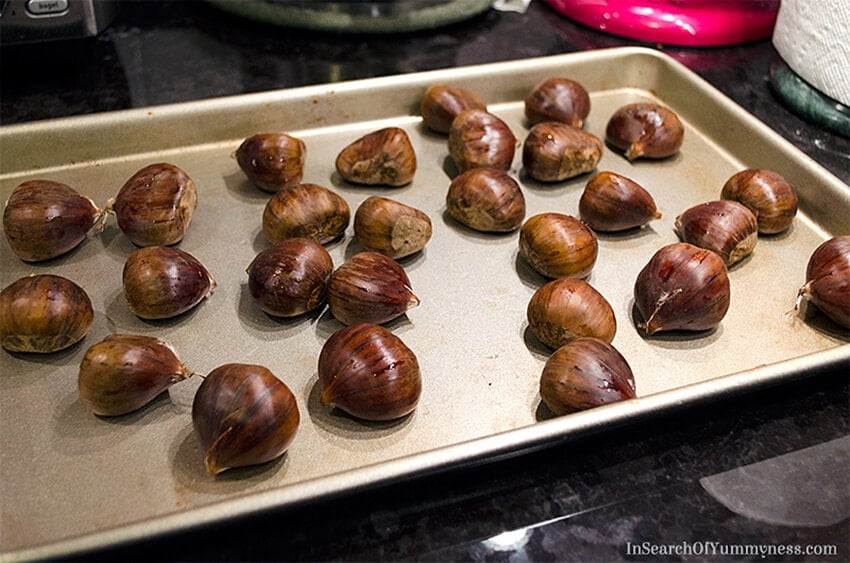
[813, 37]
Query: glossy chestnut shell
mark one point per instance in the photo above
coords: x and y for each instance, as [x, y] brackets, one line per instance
[554, 151]
[558, 99]
[124, 372]
[243, 415]
[568, 308]
[611, 202]
[161, 282]
[767, 194]
[828, 279]
[391, 227]
[645, 130]
[370, 287]
[723, 226]
[441, 103]
[272, 161]
[479, 138]
[370, 373]
[385, 157]
[305, 211]
[486, 199]
[583, 374]
[558, 245]
[156, 205]
[682, 287]
[45, 219]
[290, 278]
[43, 313]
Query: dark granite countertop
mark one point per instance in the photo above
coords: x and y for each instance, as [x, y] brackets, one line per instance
[766, 470]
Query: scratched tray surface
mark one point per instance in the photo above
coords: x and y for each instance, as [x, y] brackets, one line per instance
[72, 480]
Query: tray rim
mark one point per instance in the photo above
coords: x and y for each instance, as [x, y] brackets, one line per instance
[141, 115]
[477, 451]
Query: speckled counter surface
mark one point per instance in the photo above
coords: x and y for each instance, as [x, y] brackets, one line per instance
[718, 483]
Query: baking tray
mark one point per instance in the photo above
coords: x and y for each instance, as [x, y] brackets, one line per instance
[72, 481]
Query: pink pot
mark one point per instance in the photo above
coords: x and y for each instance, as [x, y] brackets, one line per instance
[696, 23]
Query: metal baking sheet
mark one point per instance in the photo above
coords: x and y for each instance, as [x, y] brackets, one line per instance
[72, 481]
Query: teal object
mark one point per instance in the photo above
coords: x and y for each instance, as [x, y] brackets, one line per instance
[808, 102]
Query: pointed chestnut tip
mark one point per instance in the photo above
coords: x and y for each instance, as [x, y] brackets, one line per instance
[213, 456]
[326, 399]
[414, 300]
[650, 327]
[804, 292]
[99, 224]
[212, 466]
[634, 151]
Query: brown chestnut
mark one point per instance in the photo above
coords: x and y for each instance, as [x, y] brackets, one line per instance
[368, 372]
[381, 158]
[124, 372]
[645, 130]
[828, 279]
[767, 194]
[43, 313]
[558, 99]
[305, 211]
[442, 103]
[486, 199]
[291, 277]
[682, 287]
[243, 415]
[272, 161]
[161, 282]
[558, 245]
[568, 308]
[155, 206]
[723, 226]
[390, 227]
[555, 151]
[612, 203]
[370, 288]
[583, 374]
[45, 219]
[479, 138]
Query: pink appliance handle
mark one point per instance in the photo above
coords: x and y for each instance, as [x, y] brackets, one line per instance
[676, 22]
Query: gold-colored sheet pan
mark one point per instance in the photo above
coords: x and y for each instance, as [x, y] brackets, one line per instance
[70, 481]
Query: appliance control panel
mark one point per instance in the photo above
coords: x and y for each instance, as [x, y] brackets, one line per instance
[30, 21]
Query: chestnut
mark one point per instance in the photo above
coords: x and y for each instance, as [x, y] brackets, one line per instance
[156, 205]
[479, 138]
[272, 161]
[381, 158]
[370, 373]
[554, 151]
[43, 313]
[558, 245]
[290, 278]
[44, 219]
[243, 415]
[442, 103]
[645, 130]
[558, 99]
